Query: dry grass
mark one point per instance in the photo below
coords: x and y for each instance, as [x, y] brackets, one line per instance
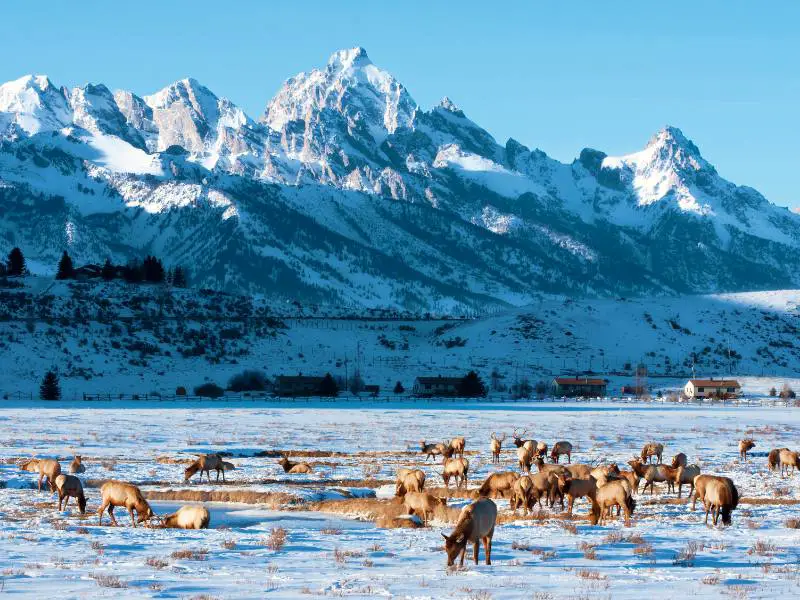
[711, 579]
[173, 460]
[330, 531]
[271, 500]
[643, 550]
[590, 575]
[793, 523]
[568, 527]
[189, 554]
[763, 548]
[229, 544]
[108, 581]
[277, 539]
[341, 556]
[157, 563]
[685, 558]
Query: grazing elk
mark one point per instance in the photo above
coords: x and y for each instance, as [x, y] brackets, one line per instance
[409, 480]
[76, 466]
[525, 458]
[603, 473]
[572, 489]
[522, 495]
[679, 460]
[498, 484]
[205, 463]
[69, 486]
[652, 449]
[47, 468]
[653, 474]
[422, 504]
[455, 467]
[560, 448]
[541, 449]
[544, 485]
[457, 445]
[193, 516]
[118, 493]
[614, 493]
[685, 475]
[633, 480]
[773, 459]
[432, 450]
[292, 468]
[788, 459]
[495, 445]
[718, 495]
[475, 524]
[745, 446]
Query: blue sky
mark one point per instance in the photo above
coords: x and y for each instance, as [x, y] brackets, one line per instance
[559, 76]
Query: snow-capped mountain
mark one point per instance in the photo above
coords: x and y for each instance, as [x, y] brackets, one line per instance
[345, 191]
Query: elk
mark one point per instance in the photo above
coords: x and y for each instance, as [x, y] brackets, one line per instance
[409, 480]
[679, 460]
[475, 524]
[76, 466]
[293, 468]
[773, 459]
[522, 495]
[560, 448]
[684, 475]
[745, 446]
[614, 493]
[524, 458]
[205, 463]
[118, 493]
[457, 445]
[572, 489]
[495, 445]
[498, 484]
[422, 504]
[653, 474]
[69, 486]
[632, 478]
[543, 485]
[719, 496]
[455, 467]
[788, 459]
[602, 474]
[519, 442]
[192, 516]
[541, 449]
[652, 449]
[432, 450]
[47, 468]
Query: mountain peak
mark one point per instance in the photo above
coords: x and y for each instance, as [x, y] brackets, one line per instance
[449, 105]
[674, 138]
[37, 104]
[348, 58]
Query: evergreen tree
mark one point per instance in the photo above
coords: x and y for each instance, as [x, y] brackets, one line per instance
[133, 272]
[179, 277]
[356, 384]
[398, 388]
[16, 263]
[328, 387]
[109, 272]
[50, 388]
[153, 270]
[65, 268]
[472, 386]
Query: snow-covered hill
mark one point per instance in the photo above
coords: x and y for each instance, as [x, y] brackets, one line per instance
[346, 192]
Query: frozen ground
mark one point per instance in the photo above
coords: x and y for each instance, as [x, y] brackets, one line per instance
[667, 552]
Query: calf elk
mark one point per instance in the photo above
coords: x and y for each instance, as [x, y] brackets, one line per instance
[498, 484]
[458, 468]
[718, 495]
[47, 468]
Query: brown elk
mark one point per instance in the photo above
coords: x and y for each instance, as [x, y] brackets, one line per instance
[686, 475]
[422, 504]
[560, 448]
[47, 468]
[498, 484]
[457, 445]
[572, 489]
[541, 449]
[522, 495]
[653, 474]
[544, 485]
[475, 524]
[520, 442]
[718, 495]
[524, 458]
[432, 450]
[118, 493]
[76, 466]
[455, 467]
[773, 459]
[614, 493]
[632, 478]
[745, 446]
[788, 459]
[652, 449]
[495, 445]
[603, 473]
[69, 486]
[292, 468]
[409, 480]
[191, 516]
[679, 460]
[205, 463]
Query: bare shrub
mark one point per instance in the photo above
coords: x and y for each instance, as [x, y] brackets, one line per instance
[108, 581]
[711, 579]
[685, 558]
[229, 544]
[590, 575]
[156, 563]
[793, 523]
[568, 527]
[277, 539]
[189, 554]
[762, 548]
[643, 550]
[330, 531]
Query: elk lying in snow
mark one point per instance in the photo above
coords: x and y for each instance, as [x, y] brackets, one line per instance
[192, 516]
[409, 480]
[432, 450]
[614, 493]
[76, 466]
[560, 448]
[788, 459]
[495, 445]
[572, 489]
[653, 474]
[293, 468]
[457, 445]
[745, 446]
[679, 460]
[475, 524]
[773, 459]
[498, 484]
[652, 449]
[69, 486]
[686, 475]
[455, 467]
[47, 468]
[119, 493]
[718, 495]
[522, 495]
[205, 463]
[422, 504]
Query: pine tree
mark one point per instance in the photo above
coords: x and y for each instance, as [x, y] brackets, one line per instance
[179, 277]
[153, 270]
[328, 387]
[16, 263]
[109, 272]
[133, 272]
[398, 388]
[50, 388]
[65, 268]
[472, 386]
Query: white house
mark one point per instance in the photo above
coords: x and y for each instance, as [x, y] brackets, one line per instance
[712, 388]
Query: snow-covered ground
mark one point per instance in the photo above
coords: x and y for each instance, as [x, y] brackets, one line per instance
[667, 552]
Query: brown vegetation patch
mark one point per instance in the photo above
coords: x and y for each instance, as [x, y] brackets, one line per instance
[387, 514]
[273, 500]
[174, 460]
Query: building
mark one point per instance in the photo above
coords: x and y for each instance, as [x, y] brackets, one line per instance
[581, 387]
[712, 388]
[428, 387]
[297, 385]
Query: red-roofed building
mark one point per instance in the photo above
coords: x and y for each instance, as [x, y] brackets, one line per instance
[712, 388]
[579, 387]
